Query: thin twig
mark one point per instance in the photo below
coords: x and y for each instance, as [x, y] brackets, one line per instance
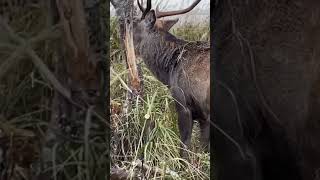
[26, 48]
[48, 74]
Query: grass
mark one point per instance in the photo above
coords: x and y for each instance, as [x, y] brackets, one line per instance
[25, 111]
[149, 131]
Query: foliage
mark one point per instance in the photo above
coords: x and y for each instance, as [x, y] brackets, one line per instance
[25, 105]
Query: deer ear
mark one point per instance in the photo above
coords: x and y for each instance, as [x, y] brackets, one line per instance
[167, 25]
[150, 19]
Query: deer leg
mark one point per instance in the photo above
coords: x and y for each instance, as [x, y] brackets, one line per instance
[205, 134]
[234, 156]
[310, 154]
[185, 123]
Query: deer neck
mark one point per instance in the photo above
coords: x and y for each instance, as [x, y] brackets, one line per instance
[160, 54]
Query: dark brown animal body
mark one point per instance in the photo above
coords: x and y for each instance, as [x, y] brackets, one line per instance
[267, 90]
[183, 66]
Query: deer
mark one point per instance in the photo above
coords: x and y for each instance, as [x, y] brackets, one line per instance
[266, 90]
[183, 66]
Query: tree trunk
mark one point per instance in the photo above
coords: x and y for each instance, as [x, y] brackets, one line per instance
[79, 67]
[125, 11]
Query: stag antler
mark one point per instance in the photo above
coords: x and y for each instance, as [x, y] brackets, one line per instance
[144, 10]
[172, 13]
[140, 5]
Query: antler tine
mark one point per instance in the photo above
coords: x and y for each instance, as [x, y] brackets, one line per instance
[147, 9]
[140, 5]
[172, 13]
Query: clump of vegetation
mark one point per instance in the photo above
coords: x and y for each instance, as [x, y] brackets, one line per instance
[145, 141]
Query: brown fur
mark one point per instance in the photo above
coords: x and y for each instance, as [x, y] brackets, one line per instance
[183, 66]
[269, 60]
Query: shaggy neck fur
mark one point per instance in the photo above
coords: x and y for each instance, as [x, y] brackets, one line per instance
[161, 52]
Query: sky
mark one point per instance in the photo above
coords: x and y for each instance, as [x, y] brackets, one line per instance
[199, 14]
[172, 4]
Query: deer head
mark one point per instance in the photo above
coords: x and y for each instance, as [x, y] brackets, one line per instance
[150, 22]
